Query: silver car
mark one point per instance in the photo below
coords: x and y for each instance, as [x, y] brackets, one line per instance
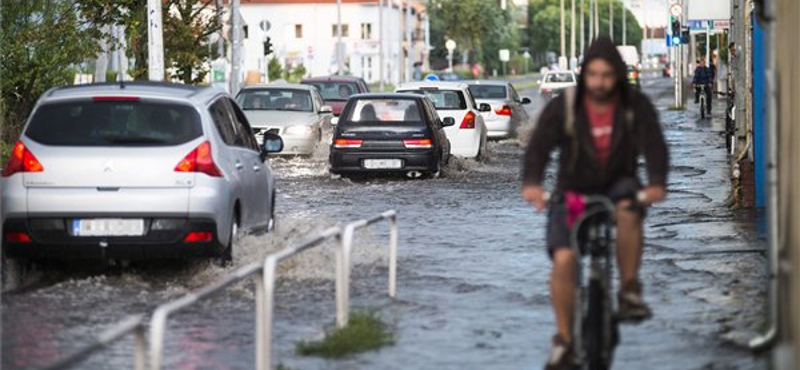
[144, 170]
[295, 112]
[507, 113]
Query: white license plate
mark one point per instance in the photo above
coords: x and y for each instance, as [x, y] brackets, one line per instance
[108, 227]
[382, 164]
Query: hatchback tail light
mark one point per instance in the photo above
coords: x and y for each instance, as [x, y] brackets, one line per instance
[18, 237]
[198, 237]
[199, 160]
[469, 120]
[347, 143]
[504, 111]
[21, 160]
[418, 143]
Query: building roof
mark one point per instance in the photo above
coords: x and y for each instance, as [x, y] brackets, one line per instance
[417, 6]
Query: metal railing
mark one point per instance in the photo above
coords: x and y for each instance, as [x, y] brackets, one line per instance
[133, 324]
[343, 266]
[264, 297]
[264, 301]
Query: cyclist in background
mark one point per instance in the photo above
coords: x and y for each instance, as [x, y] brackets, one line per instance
[600, 134]
[703, 77]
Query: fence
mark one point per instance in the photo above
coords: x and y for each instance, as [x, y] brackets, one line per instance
[265, 289]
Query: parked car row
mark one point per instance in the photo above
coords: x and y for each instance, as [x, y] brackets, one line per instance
[126, 171]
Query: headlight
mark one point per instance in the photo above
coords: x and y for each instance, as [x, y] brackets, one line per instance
[299, 130]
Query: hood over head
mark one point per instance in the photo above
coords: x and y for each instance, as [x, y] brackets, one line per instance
[604, 48]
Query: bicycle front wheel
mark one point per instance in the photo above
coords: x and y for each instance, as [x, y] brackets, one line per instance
[597, 329]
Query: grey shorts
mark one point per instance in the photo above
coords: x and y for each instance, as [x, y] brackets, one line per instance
[558, 232]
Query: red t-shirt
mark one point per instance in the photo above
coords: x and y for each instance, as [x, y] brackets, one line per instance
[602, 126]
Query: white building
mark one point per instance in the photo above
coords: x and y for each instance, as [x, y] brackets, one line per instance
[304, 32]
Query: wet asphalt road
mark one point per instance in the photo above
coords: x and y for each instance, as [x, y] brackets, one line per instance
[472, 279]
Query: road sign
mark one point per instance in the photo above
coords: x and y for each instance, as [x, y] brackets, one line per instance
[676, 10]
[505, 55]
[431, 77]
[450, 45]
[265, 25]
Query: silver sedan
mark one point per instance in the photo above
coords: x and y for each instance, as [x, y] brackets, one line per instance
[507, 113]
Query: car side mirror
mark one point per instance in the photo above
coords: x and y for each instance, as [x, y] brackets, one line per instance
[526, 100]
[325, 109]
[448, 121]
[272, 144]
[334, 121]
[484, 107]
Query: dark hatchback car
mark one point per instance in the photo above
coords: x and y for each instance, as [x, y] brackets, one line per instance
[390, 133]
[335, 90]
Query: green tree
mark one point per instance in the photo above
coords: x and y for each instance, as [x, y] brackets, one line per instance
[479, 27]
[42, 43]
[188, 25]
[274, 69]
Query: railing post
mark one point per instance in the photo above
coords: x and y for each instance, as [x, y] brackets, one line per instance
[140, 354]
[392, 254]
[158, 321]
[341, 306]
[261, 347]
[343, 298]
[268, 286]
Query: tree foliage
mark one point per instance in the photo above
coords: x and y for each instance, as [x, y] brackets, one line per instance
[479, 27]
[188, 26]
[43, 41]
[545, 24]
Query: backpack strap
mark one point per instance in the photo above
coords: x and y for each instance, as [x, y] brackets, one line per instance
[570, 94]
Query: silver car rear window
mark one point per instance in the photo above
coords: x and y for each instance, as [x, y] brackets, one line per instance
[488, 91]
[114, 123]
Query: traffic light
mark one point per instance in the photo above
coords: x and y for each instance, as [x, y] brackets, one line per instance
[685, 36]
[268, 46]
[675, 27]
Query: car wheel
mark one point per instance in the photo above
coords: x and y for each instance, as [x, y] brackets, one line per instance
[227, 255]
[271, 225]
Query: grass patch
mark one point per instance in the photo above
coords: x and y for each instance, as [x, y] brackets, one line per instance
[5, 151]
[364, 332]
[526, 85]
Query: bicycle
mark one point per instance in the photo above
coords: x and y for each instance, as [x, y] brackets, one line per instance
[596, 331]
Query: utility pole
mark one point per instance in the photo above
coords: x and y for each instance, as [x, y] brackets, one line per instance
[624, 24]
[408, 41]
[611, 20]
[563, 35]
[591, 21]
[583, 25]
[596, 19]
[382, 55]
[236, 48]
[339, 61]
[155, 41]
[572, 34]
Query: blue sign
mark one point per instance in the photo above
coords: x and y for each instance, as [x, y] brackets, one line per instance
[432, 77]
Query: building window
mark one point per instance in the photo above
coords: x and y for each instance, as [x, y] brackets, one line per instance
[345, 30]
[298, 31]
[366, 31]
[246, 31]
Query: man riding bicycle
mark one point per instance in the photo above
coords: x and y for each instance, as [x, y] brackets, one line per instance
[702, 80]
[600, 130]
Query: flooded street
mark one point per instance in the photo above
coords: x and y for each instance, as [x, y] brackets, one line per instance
[472, 274]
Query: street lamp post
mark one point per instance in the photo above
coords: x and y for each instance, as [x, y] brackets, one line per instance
[450, 45]
[611, 19]
[381, 41]
[155, 41]
[572, 34]
[624, 24]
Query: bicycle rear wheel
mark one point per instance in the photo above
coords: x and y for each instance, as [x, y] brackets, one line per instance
[597, 329]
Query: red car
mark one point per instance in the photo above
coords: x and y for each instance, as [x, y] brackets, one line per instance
[335, 90]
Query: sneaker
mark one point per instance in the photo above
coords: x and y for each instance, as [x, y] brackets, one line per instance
[562, 356]
[632, 307]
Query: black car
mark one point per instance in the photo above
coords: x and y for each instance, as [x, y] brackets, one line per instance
[389, 133]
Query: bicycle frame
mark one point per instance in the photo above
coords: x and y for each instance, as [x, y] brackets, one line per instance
[598, 245]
